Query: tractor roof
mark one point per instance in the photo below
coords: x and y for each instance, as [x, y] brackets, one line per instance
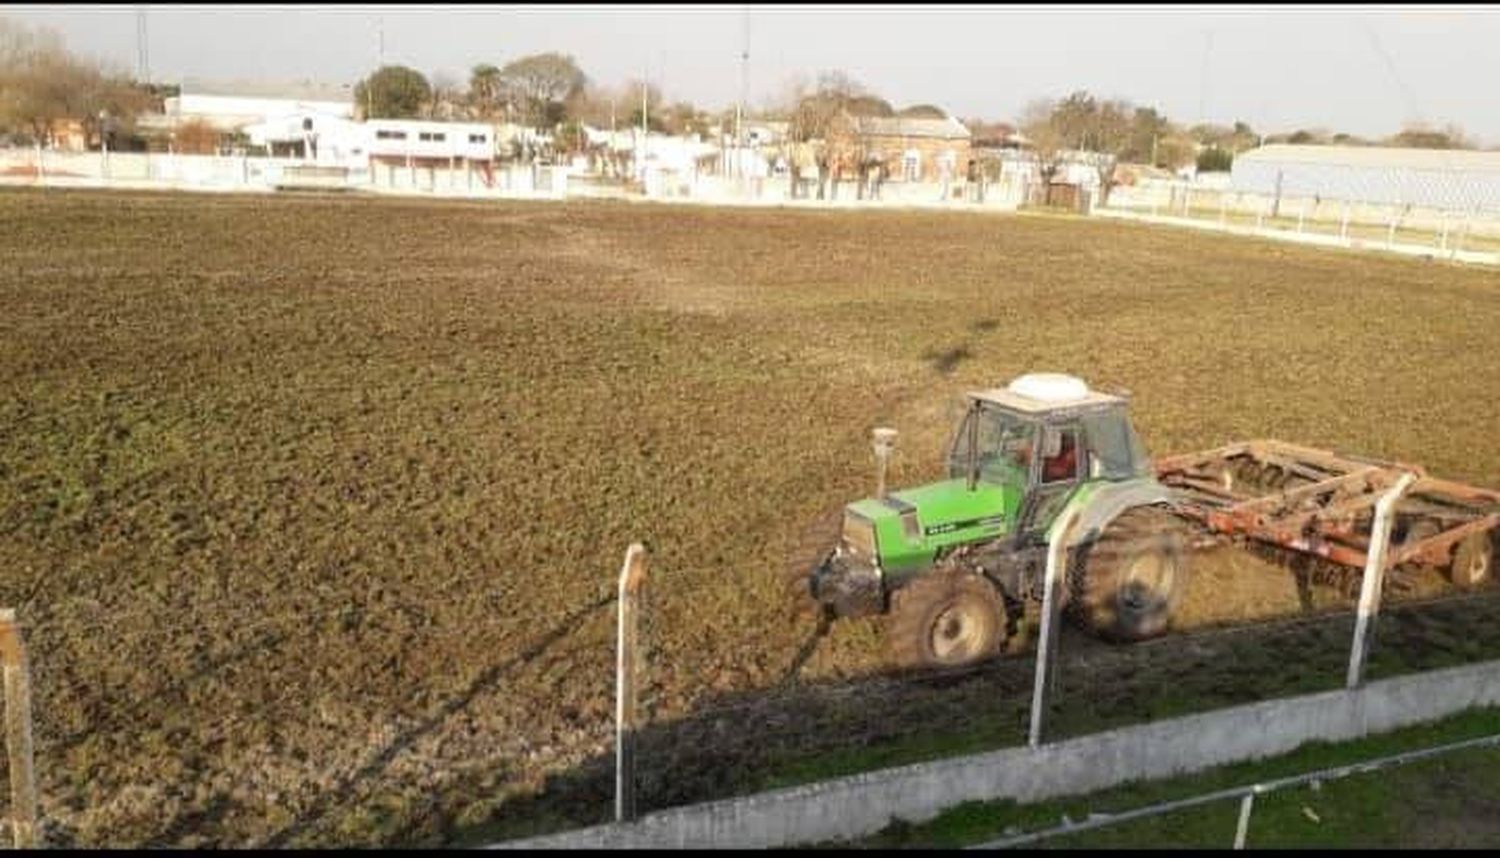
[1091, 400]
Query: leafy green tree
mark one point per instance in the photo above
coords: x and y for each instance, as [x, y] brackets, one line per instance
[486, 90]
[1215, 160]
[922, 111]
[1147, 129]
[393, 92]
[1422, 137]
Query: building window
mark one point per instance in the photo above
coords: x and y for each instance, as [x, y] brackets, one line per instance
[949, 161]
[390, 135]
[433, 136]
[476, 138]
[911, 166]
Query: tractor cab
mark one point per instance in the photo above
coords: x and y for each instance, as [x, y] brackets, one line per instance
[1040, 438]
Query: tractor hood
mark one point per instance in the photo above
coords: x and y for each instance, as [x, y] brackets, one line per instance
[912, 525]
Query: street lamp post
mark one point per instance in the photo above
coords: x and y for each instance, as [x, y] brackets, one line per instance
[104, 144]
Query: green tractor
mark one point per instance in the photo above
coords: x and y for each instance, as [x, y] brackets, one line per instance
[952, 564]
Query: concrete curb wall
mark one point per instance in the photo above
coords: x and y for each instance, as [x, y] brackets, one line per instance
[989, 207]
[863, 804]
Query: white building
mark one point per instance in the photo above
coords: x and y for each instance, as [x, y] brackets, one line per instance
[278, 113]
[323, 139]
[231, 106]
[417, 140]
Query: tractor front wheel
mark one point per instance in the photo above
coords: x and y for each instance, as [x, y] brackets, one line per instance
[1126, 584]
[946, 618]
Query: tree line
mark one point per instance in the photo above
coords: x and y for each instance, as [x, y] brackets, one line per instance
[1143, 135]
[43, 84]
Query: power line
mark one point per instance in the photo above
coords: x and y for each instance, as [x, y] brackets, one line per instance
[1412, 106]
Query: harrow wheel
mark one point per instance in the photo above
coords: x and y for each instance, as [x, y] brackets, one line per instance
[1126, 585]
[946, 618]
[1473, 562]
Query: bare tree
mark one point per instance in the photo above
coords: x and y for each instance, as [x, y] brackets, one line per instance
[813, 111]
[42, 84]
[447, 100]
[541, 83]
[632, 97]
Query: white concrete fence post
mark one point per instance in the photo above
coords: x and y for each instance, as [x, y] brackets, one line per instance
[1241, 831]
[1301, 215]
[1374, 580]
[1463, 234]
[1046, 655]
[632, 579]
[18, 746]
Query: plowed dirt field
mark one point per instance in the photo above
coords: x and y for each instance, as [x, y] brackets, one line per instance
[312, 506]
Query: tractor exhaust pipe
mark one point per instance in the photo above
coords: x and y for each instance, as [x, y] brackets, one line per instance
[885, 442]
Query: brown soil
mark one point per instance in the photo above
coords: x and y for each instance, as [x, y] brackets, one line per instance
[313, 506]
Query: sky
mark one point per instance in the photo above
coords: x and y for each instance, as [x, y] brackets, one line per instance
[1362, 70]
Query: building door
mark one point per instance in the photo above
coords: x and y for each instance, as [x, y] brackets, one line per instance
[911, 166]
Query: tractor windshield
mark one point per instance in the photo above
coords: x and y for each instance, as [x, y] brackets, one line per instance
[996, 443]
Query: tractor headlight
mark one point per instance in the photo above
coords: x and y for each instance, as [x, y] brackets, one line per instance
[859, 535]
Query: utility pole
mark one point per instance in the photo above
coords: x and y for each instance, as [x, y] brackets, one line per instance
[1208, 46]
[142, 46]
[640, 149]
[739, 106]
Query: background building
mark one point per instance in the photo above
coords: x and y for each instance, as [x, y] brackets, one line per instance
[916, 150]
[231, 106]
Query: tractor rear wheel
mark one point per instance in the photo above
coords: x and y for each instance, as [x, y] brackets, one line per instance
[1473, 562]
[1125, 585]
[946, 618]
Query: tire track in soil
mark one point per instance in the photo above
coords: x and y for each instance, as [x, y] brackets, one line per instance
[345, 792]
